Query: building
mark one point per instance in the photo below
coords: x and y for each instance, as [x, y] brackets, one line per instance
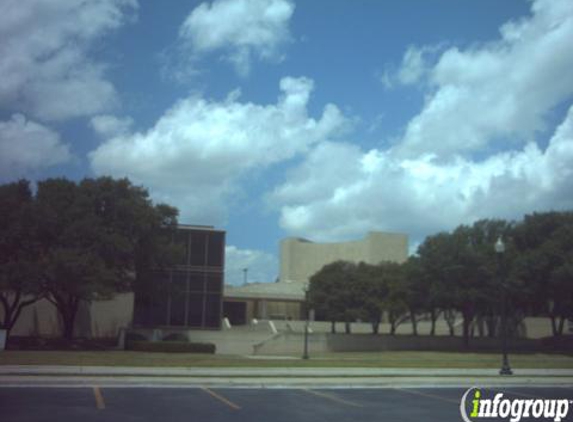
[299, 260]
[187, 295]
[190, 293]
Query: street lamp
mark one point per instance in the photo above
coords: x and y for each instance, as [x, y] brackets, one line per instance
[500, 250]
[305, 352]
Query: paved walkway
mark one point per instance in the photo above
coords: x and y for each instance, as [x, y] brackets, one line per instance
[78, 376]
[272, 372]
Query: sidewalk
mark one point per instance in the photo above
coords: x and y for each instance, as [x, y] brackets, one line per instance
[78, 376]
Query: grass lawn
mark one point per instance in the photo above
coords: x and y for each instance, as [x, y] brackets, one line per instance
[335, 360]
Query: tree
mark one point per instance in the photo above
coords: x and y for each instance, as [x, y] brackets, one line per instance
[20, 284]
[333, 293]
[416, 296]
[94, 237]
[392, 275]
[372, 292]
[455, 265]
[545, 264]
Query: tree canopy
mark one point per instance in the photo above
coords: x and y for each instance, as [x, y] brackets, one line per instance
[89, 240]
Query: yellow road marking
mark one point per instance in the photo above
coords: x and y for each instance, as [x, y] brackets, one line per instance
[100, 404]
[332, 397]
[431, 396]
[221, 398]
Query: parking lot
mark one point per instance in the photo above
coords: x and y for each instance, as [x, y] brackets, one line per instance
[93, 403]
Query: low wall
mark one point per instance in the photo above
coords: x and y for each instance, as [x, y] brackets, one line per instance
[293, 343]
[236, 341]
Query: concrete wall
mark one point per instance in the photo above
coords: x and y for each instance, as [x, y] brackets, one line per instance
[98, 319]
[300, 258]
[236, 341]
[292, 343]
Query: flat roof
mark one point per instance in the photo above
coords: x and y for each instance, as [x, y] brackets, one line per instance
[198, 227]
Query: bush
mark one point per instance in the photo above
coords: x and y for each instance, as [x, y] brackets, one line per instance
[55, 343]
[176, 337]
[133, 336]
[172, 347]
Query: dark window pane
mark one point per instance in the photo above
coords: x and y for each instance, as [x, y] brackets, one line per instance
[213, 311]
[214, 283]
[177, 308]
[159, 309]
[178, 298]
[179, 281]
[198, 246]
[216, 249]
[181, 240]
[196, 282]
[151, 299]
[195, 310]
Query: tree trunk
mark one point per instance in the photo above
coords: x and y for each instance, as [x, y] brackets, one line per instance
[68, 326]
[347, 327]
[13, 310]
[554, 326]
[67, 310]
[561, 325]
[450, 317]
[467, 320]
[491, 323]
[375, 327]
[333, 327]
[414, 323]
[433, 318]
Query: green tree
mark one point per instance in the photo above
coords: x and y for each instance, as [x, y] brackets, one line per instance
[394, 303]
[95, 236]
[334, 293]
[20, 284]
[372, 292]
[545, 263]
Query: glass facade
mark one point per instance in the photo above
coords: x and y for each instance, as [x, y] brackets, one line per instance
[190, 293]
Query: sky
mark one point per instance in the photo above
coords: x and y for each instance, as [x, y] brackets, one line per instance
[316, 119]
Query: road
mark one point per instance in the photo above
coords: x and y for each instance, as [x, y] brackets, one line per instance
[93, 403]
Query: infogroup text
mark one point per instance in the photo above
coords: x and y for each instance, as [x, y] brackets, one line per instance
[512, 409]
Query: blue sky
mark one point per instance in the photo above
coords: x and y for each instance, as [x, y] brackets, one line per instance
[274, 118]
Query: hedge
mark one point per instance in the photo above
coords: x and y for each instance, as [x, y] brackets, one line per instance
[171, 347]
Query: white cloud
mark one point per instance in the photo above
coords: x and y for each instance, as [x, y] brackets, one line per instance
[341, 192]
[499, 90]
[45, 70]
[413, 66]
[108, 126]
[413, 69]
[240, 29]
[27, 146]
[262, 267]
[196, 154]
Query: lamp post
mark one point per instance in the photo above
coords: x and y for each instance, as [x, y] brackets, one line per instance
[305, 351]
[505, 368]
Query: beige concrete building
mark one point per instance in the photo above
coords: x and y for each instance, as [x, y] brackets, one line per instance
[100, 318]
[301, 258]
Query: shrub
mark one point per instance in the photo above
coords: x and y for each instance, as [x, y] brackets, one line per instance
[176, 337]
[172, 347]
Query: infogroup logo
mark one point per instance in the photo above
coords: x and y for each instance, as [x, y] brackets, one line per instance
[497, 406]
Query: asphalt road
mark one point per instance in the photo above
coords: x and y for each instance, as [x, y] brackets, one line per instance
[86, 404]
